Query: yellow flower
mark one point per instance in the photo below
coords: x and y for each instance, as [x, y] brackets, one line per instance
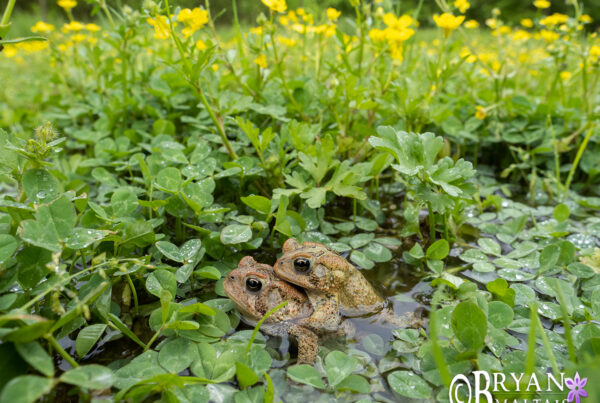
[9, 51]
[215, 67]
[376, 35]
[595, 51]
[491, 22]
[200, 45]
[521, 35]
[290, 43]
[256, 31]
[549, 36]
[333, 14]
[466, 54]
[277, 5]
[541, 4]
[78, 38]
[480, 112]
[503, 30]
[397, 23]
[462, 5]
[161, 26]
[261, 61]
[585, 18]
[565, 75]
[92, 27]
[471, 24]
[527, 23]
[554, 19]
[67, 4]
[192, 19]
[448, 22]
[284, 21]
[41, 27]
[74, 26]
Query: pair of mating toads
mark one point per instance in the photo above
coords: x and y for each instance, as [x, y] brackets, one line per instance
[332, 289]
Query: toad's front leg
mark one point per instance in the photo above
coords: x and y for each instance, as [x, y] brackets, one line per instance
[308, 344]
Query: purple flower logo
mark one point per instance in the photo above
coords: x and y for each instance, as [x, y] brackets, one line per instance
[576, 386]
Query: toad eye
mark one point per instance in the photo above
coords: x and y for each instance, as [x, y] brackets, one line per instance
[253, 285]
[302, 265]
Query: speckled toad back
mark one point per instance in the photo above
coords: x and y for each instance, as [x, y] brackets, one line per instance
[334, 286]
[255, 290]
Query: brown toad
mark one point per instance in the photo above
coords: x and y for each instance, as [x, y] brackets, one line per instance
[334, 286]
[255, 290]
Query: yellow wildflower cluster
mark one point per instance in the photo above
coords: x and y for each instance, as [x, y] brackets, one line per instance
[302, 22]
[279, 6]
[462, 5]
[332, 14]
[12, 50]
[161, 26]
[398, 31]
[554, 19]
[541, 4]
[448, 22]
[41, 27]
[192, 19]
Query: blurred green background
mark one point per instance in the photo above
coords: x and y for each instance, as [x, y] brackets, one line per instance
[248, 10]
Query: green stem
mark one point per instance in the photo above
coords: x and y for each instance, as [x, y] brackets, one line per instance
[154, 337]
[546, 343]
[133, 292]
[278, 63]
[6, 16]
[555, 146]
[61, 351]
[362, 38]
[107, 13]
[217, 123]
[565, 318]
[260, 322]
[580, 151]
[431, 224]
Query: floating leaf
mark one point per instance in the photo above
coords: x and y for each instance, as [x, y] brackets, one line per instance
[306, 374]
[408, 384]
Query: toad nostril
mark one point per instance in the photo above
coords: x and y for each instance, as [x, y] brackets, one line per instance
[232, 277]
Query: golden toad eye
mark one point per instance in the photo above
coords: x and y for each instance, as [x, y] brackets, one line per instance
[302, 265]
[253, 285]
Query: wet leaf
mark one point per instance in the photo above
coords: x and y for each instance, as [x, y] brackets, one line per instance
[438, 250]
[408, 384]
[91, 376]
[469, 325]
[306, 374]
[87, 338]
[36, 356]
[338, 366]
[160, 280]
[177, 354]
[235, 234]
[25, 389]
